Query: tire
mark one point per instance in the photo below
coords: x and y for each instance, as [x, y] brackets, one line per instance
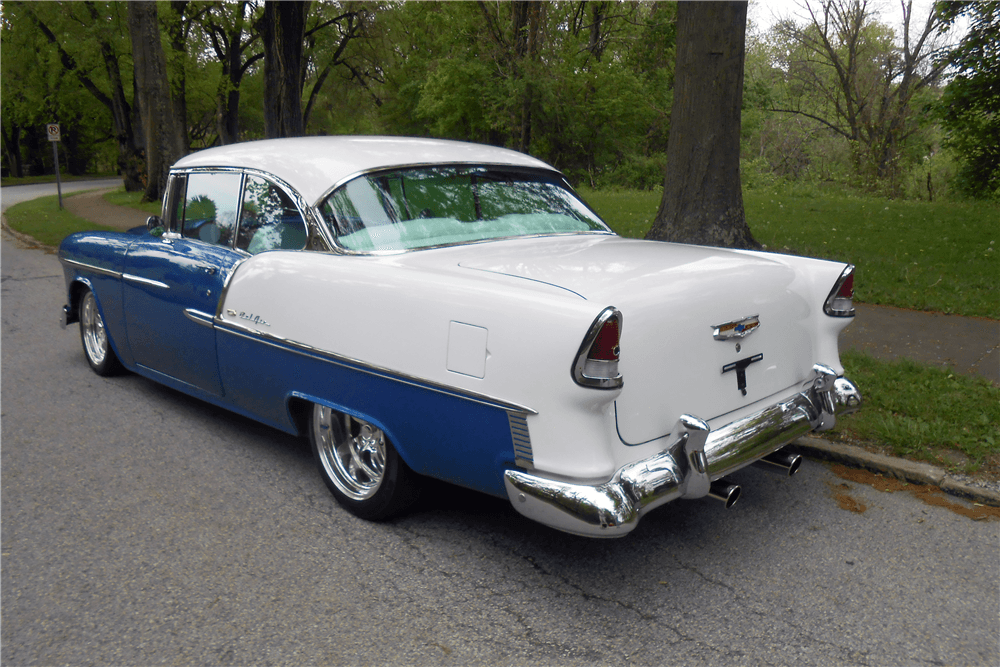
[94, 336]
[360, 466]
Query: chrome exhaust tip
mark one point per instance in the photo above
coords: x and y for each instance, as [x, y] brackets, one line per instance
[780, 462]
[725, 490]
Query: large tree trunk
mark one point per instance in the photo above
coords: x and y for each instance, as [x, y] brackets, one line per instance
[283, 28]
[702, 198]
[153, 92]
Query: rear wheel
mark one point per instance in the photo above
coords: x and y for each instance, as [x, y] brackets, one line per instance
[360, 466]
[94, 336]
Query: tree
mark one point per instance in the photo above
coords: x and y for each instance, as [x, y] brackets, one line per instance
[702, 199]
[283, 28]
[233, 36]
[74, 35]
[970, 106]
[152, 89]
[857, 78]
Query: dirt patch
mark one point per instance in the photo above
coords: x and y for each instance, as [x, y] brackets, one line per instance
[928, 494]
[92, 206]
[846, 501]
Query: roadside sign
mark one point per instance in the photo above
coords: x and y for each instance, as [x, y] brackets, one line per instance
[52, 129]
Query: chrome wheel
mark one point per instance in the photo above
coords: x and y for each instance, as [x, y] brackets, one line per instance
[351, 451]
[95, 338]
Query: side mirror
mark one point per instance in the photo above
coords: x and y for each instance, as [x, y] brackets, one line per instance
[154, 225]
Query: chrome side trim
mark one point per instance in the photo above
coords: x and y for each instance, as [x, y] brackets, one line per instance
[198, 317]
[91, 267]
[613, 508]
[370, 369]
[128, 277]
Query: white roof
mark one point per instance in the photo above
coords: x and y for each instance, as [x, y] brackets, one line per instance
[313, 165]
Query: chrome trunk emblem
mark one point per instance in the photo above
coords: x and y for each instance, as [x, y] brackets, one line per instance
[736, 328]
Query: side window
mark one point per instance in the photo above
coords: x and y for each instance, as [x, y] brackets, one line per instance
[210, 207]
[269, 219]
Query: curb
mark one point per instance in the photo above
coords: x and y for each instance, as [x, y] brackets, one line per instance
[908, 471]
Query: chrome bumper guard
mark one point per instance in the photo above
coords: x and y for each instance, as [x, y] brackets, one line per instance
[685, 469]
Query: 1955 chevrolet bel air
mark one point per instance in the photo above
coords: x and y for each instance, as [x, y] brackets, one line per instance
[435, 308]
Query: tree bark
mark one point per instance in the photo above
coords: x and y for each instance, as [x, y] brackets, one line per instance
[283, 29]
[153, 93]
[702, 196]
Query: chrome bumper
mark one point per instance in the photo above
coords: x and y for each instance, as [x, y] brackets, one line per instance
[686, 468]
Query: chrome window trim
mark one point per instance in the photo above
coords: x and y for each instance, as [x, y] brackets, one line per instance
[91, 267]
[330, 225]
[308, 213]
[368, 368]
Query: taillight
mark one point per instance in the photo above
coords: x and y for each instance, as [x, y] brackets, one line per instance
[840, 303]
[596, 363]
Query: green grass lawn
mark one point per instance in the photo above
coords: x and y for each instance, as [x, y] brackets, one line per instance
[43, 220]
[925, 413]
[942, 257]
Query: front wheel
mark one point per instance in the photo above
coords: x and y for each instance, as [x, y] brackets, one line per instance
[94, 336]
[360, 466]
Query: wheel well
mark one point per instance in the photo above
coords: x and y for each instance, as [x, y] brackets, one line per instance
[76, 291]
[300, 411]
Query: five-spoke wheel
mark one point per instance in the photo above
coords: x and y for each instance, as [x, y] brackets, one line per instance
[360, 466]
[96, 345]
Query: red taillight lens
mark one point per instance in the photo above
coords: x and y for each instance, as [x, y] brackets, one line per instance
[840, 302]
[596, 363]
[605, 347]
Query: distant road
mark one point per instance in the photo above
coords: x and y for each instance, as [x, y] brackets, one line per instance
[15, 194]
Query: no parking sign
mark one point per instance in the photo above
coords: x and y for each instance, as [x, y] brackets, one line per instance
[52, 129]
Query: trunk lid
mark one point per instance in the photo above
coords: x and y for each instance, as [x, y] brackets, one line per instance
[673, 298]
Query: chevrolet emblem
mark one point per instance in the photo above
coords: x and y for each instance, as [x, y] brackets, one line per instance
[737, 328]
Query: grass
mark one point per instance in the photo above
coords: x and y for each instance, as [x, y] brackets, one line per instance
[941, 257]
[924, 413]
[43, 220]
[132, 199]
[49, 178]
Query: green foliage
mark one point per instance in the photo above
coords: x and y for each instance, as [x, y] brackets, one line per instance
[922, 412]
[970, 107]
[939, 256]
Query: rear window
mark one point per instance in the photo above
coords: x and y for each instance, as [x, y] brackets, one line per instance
[433, 206]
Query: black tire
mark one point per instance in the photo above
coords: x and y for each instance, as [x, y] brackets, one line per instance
[360, 466]
[96, 343]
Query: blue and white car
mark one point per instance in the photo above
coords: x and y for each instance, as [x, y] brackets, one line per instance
[426, 308]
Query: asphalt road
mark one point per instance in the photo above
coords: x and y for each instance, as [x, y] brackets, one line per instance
[142, 527]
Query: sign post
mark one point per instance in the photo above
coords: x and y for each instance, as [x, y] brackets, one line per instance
[52, 129]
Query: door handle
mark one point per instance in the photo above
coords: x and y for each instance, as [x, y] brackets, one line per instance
[210, 270]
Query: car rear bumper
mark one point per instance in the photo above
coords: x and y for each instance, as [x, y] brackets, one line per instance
[697, 458]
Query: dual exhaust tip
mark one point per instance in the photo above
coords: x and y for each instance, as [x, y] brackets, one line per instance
[783, 463]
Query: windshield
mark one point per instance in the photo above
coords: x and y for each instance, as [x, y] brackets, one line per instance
[432, 206]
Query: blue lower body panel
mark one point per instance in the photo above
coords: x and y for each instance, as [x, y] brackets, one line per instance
[439, 434]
